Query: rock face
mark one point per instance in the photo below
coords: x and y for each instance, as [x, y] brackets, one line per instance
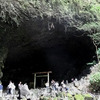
[43, 36]
[63, 58]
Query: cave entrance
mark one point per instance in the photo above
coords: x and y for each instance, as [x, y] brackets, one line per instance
[41, 76]
[65, 57]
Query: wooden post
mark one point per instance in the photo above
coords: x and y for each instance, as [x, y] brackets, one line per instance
[34, 80]
[48, 77]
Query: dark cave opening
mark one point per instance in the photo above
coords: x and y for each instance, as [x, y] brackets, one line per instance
[65, 60]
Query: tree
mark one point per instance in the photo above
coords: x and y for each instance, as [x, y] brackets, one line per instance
[96, 41]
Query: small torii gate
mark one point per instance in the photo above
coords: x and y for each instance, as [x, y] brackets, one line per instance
[47, 74]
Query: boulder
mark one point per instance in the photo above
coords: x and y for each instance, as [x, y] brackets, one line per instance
[88, 98]
[24, 91]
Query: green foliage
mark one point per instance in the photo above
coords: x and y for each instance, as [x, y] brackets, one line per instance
[36, 8]
[79, 97]
[98, 52]
[95, 81]
[96, 9]
[92, 27]
[96, 38]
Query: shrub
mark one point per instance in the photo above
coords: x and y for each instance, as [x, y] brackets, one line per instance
[95, 81]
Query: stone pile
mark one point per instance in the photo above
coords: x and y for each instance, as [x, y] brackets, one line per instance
[75, 87]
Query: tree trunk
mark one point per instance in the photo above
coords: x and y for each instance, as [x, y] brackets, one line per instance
[96, 51]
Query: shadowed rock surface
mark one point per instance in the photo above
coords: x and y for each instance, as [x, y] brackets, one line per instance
[43, 36]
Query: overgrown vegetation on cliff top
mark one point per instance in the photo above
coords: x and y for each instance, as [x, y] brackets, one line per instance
[13, 11]
[81, 14]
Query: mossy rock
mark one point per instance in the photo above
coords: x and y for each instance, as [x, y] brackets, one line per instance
[49, 98]
[79, 97]
[24, 99]
[55, 98]
[70, 97]
[58, 98]
[42, 97]
[46, 98]
[64, 94]
[60, 94]
[88, 97]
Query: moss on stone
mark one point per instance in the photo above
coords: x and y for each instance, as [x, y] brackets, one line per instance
[70, 97]
[87, 95]
[79, 97]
